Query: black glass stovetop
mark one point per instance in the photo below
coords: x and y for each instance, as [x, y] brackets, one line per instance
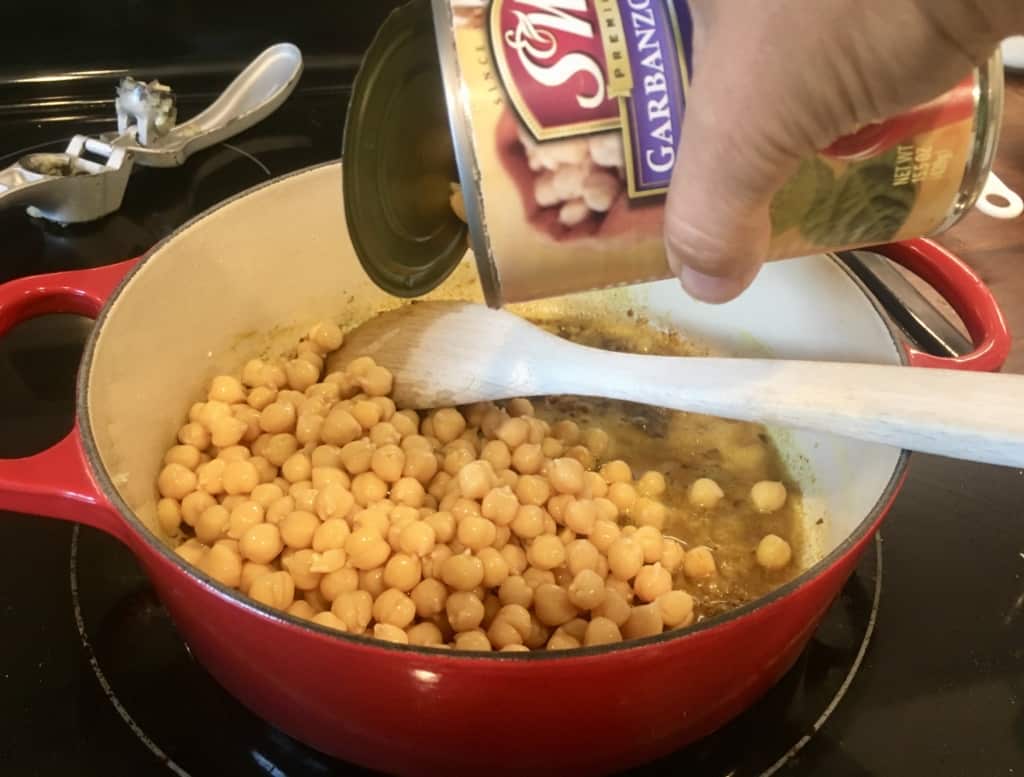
[917, 669]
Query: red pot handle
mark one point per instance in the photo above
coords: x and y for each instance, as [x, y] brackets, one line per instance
[56, 482]
[967, 293]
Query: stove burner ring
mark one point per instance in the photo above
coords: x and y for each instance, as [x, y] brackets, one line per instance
[176, 769]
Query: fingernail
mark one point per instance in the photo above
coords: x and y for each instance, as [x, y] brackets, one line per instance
[711, 288]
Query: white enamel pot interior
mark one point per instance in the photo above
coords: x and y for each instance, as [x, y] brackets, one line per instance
[255, 272]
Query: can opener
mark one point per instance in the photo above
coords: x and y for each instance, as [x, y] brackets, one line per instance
[88, 180]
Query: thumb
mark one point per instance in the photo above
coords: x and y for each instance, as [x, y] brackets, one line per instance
[717, 214]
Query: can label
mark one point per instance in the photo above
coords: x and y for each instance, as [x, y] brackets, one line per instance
[576, 109]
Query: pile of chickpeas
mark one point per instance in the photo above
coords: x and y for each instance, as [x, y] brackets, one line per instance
[484, 528]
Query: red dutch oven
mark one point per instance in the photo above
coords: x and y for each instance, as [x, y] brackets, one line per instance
[275, 260]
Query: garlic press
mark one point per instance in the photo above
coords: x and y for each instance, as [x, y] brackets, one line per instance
[88, 179]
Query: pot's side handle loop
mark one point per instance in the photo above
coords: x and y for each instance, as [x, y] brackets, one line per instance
[56, 482]
[967, 293]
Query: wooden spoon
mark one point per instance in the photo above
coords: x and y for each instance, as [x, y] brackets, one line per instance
[455, 353]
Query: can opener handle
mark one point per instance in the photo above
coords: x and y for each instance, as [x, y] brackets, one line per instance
[998, 200]
[88, 180]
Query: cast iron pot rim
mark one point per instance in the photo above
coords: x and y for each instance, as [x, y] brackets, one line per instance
[140, 530]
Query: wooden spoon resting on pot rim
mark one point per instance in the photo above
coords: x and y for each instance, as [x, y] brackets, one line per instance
[455, 353]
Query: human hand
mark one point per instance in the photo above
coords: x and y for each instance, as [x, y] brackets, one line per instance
[774, 83]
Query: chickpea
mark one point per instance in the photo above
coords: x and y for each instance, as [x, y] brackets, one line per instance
[252, 372]
[297, 529]
[185, 455]
[519, 407]
[552, 448]
[194, 434]
[622, 495]
[192, 551]
[566, 475]
[528, 523]
[515, 590]
[625, 558]
[387, 408]
[672, 555]
[613, 607]
[606, 509]
[476, 533]
[497, 454]
[705, 493]
[168, 515]
[329, 620]
[527, 459]
[279, 509]
[424, 634]
[448, 424]
[340, 428]
[535, 576]
[213, 411]
[302, 373]
[368, 488]
[406, 422]
[327, 561]
[327, 336]
[500, 505]
[495, 567]
[250, 571]
[532, 490]
[676, 608]
[193, 505]
[240, 477]
[604, 534]
[567, 431]
[211, 476]
[601, 631]
[279, 447]
[354, 609]
[316, 600]
[472, 640]
[546, 552]
[652, 541]
[457, 458]
[596, 441]
[443, 524]
[265, 494]
[328, 456]
[420, 464]
[302, 609]
[581, 516]
[515, 557]
[430, 597]
[260, 398]
[768, 496]
[586, 591]
[617, 471]
[552, 605]
[212, 524]
[417, 538]
[274, 376]
[580, 555]
[649, 513]
[376, 381]
[395, 608]
[465, 611]
[562, 641]
[176, 481]
[408, 491]
[513, 432]
[335, 583]
[275, 589]
[644, 621]
[366, 548]
[402, 572]
[652, 581]
[699, 563]
[463, 572]
[278, 417]
[773, 553]
[261, 543]
[330, 535]
[300, 565]
[387, 463]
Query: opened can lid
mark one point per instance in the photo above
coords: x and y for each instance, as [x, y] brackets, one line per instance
[398, 160]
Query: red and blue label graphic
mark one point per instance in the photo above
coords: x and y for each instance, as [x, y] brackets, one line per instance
[580, 67]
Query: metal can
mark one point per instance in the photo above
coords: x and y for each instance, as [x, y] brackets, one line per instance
[560, 121]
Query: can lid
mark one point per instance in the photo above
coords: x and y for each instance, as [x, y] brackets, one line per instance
[398, 160]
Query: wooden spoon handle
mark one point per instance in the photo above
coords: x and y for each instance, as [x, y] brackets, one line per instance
[974, 416]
